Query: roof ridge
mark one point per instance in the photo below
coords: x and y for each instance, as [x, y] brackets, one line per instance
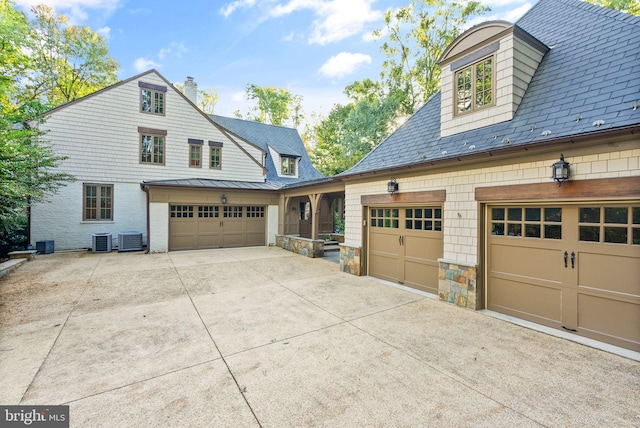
[252, 121]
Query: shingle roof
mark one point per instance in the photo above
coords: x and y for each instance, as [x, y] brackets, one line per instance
[592, 71]
[286, 141]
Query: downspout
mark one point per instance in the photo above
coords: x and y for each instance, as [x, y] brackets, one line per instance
[145, 189]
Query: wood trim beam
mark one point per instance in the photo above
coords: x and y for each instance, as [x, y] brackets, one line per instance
[428, 196]
[596, 188]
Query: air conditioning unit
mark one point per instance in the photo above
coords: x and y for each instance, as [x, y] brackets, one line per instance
[129, 241]
[101, 243]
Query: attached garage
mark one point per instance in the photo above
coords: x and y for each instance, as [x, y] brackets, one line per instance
[574, 267]
[197, 227]
[405, 238]
[198, 214]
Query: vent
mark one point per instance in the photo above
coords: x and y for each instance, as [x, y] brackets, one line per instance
[101, 243]
[129, 241]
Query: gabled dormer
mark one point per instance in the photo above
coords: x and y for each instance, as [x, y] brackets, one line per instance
[286, 164]
[485, 73]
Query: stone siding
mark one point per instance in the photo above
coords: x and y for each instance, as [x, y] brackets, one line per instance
[307, 247]
[457, 284]
[350, 260]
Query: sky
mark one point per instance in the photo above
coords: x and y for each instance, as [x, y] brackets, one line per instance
[313, 48]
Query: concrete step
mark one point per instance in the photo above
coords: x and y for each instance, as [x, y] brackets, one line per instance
[334, 247]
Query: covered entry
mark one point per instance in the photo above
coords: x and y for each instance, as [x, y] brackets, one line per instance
[196, 227]
[574, 267]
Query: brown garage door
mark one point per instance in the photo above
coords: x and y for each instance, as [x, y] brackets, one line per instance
[571, 267]
[405, 244]
[194, 227]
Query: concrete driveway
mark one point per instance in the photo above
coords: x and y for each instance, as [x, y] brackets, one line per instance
[263, 337]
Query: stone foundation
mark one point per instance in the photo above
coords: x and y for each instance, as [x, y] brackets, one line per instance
[350, 260]
[457, 284]
[303, 246]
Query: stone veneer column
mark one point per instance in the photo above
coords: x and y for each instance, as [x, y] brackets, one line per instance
[350, 260]
[457, 284]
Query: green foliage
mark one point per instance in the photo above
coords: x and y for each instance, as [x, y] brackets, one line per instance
[68, 62]
[352, 130]
[632, 7]
[416, 37]
[275, 106]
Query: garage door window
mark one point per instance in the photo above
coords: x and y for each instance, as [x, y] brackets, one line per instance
[232, 212]
[612, 225]
[208, 211]
[529, 222]
[181, 211]
[387, 217]
[429, 219]
[255, 212]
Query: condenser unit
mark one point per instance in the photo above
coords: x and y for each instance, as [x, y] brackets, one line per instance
[101, 243]
[129, 241]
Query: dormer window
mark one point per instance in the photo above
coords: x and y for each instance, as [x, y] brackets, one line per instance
[474, 86]
[288, 165]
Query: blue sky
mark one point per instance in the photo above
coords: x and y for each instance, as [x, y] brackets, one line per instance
[313, 48]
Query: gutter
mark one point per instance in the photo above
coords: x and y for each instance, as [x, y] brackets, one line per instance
[145, 189]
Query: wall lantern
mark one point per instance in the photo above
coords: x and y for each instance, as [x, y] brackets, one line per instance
[560, 171]
[223, 199]
[392, 186]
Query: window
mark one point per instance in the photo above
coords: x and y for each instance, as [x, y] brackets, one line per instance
[255, 212]
[429, 219]
[208, 211]
[215, 158]
[288, 165]
[474, 86]
[181, 211]
[529, 222]
[385, 217]
[152, 98]
[98, 202]
[152, 149]
[611, 225]
[195, 153]
[232, 212]
[215, 154]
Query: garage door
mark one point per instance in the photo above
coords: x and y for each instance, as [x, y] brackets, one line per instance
[571, 267]
[194, 227]
[405, 245]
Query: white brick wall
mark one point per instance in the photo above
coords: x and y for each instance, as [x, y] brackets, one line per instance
[461, 232]
[159, 225]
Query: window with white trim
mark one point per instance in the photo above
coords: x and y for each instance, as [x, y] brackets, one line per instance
[288, 165]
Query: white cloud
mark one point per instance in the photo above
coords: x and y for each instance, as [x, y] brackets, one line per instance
[229, 8]
[343, 64]
[174, 49]
[104, 32]
[504, 14]
[144, 64]
[336, 19]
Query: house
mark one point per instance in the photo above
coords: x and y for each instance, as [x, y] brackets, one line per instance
[458, 201]
[146, 159]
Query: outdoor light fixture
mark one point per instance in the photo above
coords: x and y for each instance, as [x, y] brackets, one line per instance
[560, 171]
[392, 186]
[223, 199]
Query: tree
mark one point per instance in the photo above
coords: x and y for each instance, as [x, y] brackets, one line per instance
[632, 7]
[352, 130]
[14, 59]
[417, 35]
[207, 101]
[274, 106]
[68, 62]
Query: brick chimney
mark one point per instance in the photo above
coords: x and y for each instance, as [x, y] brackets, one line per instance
[191, 90]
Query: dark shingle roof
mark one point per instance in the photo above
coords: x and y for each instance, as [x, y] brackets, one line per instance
[592, 71]
[285, 141]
